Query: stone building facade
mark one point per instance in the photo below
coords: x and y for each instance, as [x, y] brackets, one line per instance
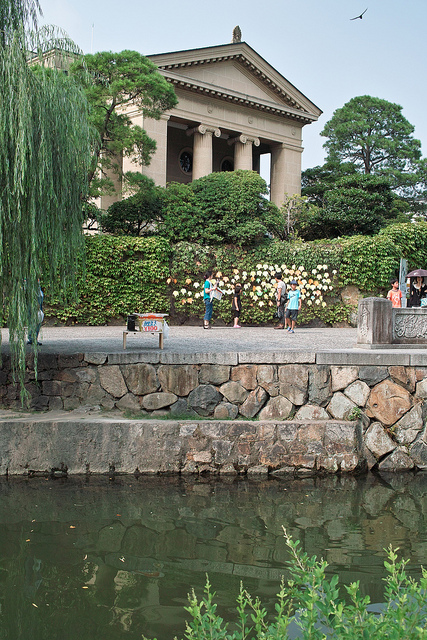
[233, 107]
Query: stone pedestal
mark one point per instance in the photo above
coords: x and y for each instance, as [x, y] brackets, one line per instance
[374, 321]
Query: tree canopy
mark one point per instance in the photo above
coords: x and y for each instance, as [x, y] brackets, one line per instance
[226, 207]
[137, 215]
[374, 135]
[112, 82]
[45, 151]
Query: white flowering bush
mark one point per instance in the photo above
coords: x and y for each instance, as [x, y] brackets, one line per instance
[258, 290]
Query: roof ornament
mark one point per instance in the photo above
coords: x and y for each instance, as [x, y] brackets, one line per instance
[237, 34]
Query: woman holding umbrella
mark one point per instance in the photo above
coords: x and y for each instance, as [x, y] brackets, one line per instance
[417, 287]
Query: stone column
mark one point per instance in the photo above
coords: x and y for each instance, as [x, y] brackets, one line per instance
[202, 149]
[374, 321]
[285, 171]
[277, 174]
[158, 130]
[243, 151]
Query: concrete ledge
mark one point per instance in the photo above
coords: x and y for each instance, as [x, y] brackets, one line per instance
[384, 358]
[277, 357]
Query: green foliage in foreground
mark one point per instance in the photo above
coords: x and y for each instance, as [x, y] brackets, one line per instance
[312, 605]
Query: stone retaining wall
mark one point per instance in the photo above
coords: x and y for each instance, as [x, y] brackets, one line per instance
[388, 400]
[109, 446]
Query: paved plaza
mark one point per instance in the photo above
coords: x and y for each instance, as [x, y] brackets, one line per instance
[256, 344]
[189, 339]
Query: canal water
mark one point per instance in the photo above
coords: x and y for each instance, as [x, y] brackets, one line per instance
[100, 559]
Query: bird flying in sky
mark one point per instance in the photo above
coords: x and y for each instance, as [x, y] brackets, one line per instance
[361, 15]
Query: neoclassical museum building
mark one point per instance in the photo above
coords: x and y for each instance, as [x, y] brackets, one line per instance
[233, 106]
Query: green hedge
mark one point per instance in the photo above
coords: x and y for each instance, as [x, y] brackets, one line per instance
[124, 274]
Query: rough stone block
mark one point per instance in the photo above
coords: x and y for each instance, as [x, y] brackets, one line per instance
[266, 374]
[204, 399]
[180, 408]
[51, 388]
[373, 375]
[55, 403]
[202, 456]
[343, 437]
[178, 380]
[276, 409]
[378, 441]
[140, 378]
[389, 402]
[257, 470]
[214, 373]
[358, 392]
[340, 407]
[418, 453]
[421, 391]
[398, 460]
[293, 380]
[407, 428]
[342, 377]
[311, 412]
[129, 402]
[226, 410]
[70, 361]
[287, 432]
[222, 450]
[319, 388]
[234, 392]
[254, 402]
[87, 374]
[246, 375]
[111, 379]
[154, 401]
[404, 376]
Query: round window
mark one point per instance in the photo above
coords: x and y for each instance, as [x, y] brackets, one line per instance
[186, 161]
[227, 165]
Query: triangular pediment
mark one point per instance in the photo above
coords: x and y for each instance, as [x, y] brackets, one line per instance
[235, 70]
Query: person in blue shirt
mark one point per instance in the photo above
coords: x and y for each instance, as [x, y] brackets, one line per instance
[208, 287]
[292, 306]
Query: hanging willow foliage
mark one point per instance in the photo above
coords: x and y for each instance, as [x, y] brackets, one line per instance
[45, 152]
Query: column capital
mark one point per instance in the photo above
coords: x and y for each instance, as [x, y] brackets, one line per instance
[244, 139]
[203, 129]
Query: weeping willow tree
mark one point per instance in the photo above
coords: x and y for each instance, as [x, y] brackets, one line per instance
[45, 151]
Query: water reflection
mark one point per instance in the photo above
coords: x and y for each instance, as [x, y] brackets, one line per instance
[91, 558]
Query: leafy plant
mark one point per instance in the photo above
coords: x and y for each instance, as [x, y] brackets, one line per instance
[314, 607]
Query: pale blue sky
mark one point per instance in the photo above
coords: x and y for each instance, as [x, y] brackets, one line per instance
[312, 43]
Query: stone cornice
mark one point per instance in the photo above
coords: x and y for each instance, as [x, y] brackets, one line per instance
[275, 108]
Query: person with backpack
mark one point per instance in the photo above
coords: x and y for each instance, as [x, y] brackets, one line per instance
[281, 299]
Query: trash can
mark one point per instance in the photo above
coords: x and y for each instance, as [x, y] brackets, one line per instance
[131, 323]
